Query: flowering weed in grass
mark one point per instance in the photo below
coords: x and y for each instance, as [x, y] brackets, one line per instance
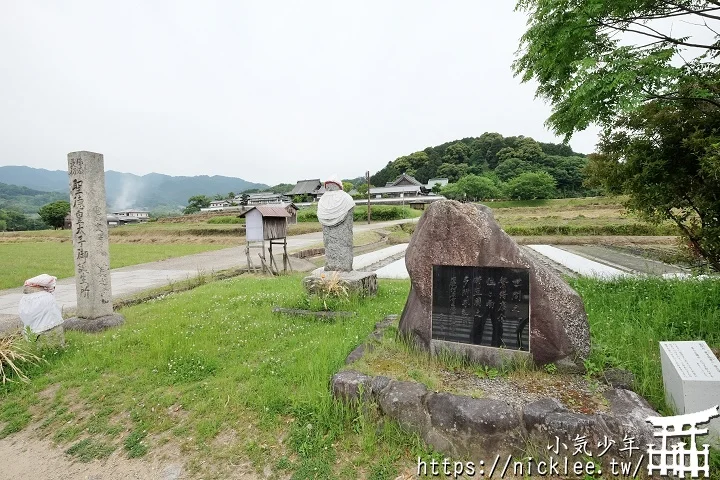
[190, 368]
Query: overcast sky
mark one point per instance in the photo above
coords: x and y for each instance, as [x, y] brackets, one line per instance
[267, 91]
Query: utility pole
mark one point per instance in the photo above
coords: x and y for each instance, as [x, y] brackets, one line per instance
[367, 177]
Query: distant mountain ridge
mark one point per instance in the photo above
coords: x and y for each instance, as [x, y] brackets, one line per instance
[126, 190]
[26, 200]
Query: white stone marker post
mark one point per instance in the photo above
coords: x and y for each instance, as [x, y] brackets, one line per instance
[691, 375]
[90, 244]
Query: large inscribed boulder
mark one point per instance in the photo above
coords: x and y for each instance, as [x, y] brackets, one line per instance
[453, 233]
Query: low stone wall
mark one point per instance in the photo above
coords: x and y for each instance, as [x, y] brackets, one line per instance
[484, 428]
[309, 252]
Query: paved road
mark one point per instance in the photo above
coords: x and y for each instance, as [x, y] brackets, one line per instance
[133, 279]
[624, 261]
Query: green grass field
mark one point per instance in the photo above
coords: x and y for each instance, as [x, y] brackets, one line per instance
[22, 260]
[629, 317]
[215, 363]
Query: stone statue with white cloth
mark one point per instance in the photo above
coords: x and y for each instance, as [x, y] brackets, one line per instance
[40, 315]
[335, 213]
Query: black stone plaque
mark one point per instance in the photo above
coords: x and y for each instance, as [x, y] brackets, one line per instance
[487, 306]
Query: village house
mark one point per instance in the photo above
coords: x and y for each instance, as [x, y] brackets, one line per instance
[436, 181]
[313, 188]
[219, 204]
[264, 198]
[406, 186]
[112, 221]
[138, 215]
[403, 186]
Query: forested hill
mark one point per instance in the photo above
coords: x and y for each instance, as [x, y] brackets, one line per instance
[26, 200]
[492, 155]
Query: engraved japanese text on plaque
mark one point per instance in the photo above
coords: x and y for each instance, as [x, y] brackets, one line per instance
[488, 306]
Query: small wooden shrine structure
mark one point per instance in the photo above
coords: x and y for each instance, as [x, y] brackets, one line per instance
[266, 223]
[292, 209]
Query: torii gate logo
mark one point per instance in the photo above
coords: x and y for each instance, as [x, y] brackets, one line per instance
[678, 460]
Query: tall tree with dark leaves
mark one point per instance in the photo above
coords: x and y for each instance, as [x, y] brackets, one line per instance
[595, 59]
[54, 213]
[647, 72]
[667, 158]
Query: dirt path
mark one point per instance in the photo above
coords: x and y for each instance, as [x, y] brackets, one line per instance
[25, 455]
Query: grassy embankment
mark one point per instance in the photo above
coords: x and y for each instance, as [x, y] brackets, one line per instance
[213, 371]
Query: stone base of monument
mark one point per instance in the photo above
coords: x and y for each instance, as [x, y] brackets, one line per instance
[495, 357]
[512, 417]
[361, 283]
[91, 325]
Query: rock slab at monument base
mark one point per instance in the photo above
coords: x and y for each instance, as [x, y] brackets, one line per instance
[477, 428]
[91, 325]
[363, 283]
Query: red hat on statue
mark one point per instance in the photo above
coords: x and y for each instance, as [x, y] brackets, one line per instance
[334, 179]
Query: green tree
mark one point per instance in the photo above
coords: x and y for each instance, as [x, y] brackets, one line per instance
[452, 171]
[436, 189]
[611, 62]
[54, 213]
[347, 186]
[595, 59]
[457, 153]
[452, 191]
[512, 167]
[531, 186]
[476, 188]
[196, 202]
[666, 156]
[568, 173]
[230, 195]
[417, 160]
[16, 221]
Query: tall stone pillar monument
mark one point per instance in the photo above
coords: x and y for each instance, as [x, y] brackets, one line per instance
[90, 244]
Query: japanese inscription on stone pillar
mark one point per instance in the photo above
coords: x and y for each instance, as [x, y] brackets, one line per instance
[487, 306]
[90, 234]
